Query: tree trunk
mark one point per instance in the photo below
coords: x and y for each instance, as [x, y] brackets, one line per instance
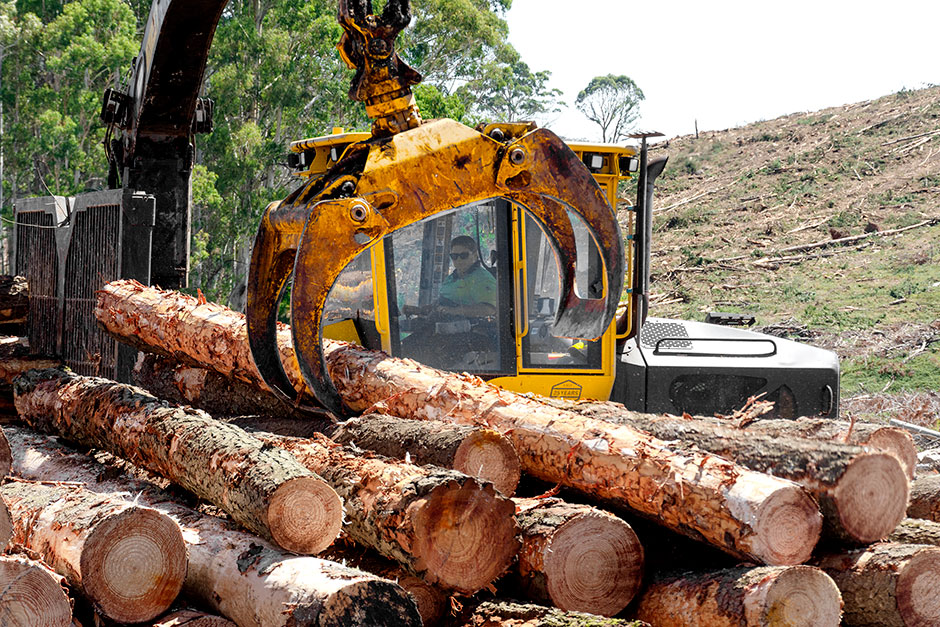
[888, 585]
[192, 618]
[31, 595]
[511, 614]
[577, 557]
[916, 531]
[232, 572]
[266, 491]
[129, 561]
[796, 596]
[441, 524]
[862, 494]
[474, 451]
[925, 498]
[749, 515]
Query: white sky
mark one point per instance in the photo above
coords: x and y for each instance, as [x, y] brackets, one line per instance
[729, 62]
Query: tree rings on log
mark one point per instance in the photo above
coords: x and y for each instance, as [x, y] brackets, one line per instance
[925, 498]
[31, 595]
[871, 497]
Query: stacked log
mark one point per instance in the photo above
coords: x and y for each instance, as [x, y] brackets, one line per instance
[264, 490]
[916, 531]
[14, 300]
[925, 498]
[191, 618]
[451, 529]
[232, 572]
[748, 514]
[796, 596]
[577, 557]
[888, 584]
[32, 595]
[130, 561]
[511, 614]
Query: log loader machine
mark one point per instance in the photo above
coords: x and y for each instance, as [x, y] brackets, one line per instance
[364, 244]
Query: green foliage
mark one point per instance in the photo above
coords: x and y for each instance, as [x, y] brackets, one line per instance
[612, 102]
[434, 104]
[507, 90]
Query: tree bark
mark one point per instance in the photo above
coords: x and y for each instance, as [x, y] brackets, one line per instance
[925, 498]
[6, 455]
[862, 494]
[577, 557]
[31, 595]
[14, 299]
[511, 614]
[266, 491]
[443, 525]
[749, 515]
[6, 526]
[232, 572]
[11, 368]
[129, 561]
[192, 618]
[916, 531]
[796, 596]
[888, 585]
[474, 451]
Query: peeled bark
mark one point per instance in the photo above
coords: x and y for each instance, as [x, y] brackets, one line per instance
[925, 498]
[510, 614]
[474, 451]
[191, 618]
[747, 514]
[129, 561]
[31, 595]
[795, 596]
[916, 531]
[264, 490]
[862, 494]
[888, 585]
[232, 572]
[443, 525]
[577, 557]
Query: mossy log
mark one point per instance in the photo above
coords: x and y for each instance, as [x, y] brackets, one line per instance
[129, 561]
[449, 528]
[750, 515]
[925, 498]
[577, 557]
[231, 572]
[264, 490]
[862, 493]
[512, 614]
[795, 596]
[32, 595]
[888, 584]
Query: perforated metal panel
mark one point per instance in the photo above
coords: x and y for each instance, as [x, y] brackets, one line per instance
[653, 332]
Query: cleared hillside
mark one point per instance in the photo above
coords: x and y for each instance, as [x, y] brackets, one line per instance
[826, 226]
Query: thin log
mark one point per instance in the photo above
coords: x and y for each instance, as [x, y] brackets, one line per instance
[14, 299]
[13, 346]
[32, 595]
[891, 585]
[192, 618]
[916, 531]
[443, 525]
[474, 451]
[796, 596]
[861, 493]
[852, 238]
[231, 572]
[925, 498]
[512, 614]
[749, 515]
[577, 557]
[129, 561]
[11, 368]
[266, 491]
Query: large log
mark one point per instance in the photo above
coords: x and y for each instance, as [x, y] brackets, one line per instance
[443, 525]
[232, 572]
[888, 585]
[748, 514]
[925, 498]
[31, 595]
[577, 557]
[264, 490]
[474, 451]
[862, 493]
[129, 561]
[916, 531]
[512, 614]
[796, 596]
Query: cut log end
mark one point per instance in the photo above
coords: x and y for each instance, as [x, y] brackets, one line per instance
[369, 603]
[916, 591]
[594, 564]
[802, 596]
[489, 456]
[898, 443]
[133, 564]
[788, 527]
[31, 595]
[465, 535]
[872, 496]
[305, 515]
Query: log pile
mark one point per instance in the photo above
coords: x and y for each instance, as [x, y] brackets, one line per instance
[422, 491]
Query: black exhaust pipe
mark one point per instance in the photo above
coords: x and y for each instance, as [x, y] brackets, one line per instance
[649, 171]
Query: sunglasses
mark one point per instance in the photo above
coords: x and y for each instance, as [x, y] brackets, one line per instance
[463, 255]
